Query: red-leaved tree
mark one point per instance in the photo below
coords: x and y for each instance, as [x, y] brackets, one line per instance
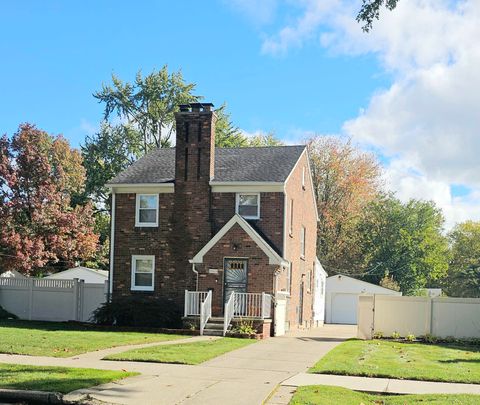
[39, 227]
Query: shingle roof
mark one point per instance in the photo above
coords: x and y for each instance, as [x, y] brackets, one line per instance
[260, 164]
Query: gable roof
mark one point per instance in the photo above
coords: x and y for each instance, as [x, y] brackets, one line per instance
[365, 283]
[258, 164]
[273, 257]
[103, 273]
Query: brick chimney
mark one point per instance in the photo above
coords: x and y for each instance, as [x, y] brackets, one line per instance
[194, 168]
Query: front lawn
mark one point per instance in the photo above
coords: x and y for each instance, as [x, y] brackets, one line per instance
[326, 395]
[414, 361]
[64, 340]
[185, 353]
[57, 379]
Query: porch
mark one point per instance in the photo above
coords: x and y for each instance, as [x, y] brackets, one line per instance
[238, 305]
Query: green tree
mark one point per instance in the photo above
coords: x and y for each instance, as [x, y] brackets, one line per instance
[464, 271]
[265, 140]
[148, 105]
[227, 135]
[371, 11]
[405, 242]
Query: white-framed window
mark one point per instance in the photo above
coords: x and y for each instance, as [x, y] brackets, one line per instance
[146, 211]
[303, 232]
[248, 205]
[303, 177]
[143, 273]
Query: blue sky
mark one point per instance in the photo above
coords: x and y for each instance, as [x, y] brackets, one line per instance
[56, 54]
[409, 90]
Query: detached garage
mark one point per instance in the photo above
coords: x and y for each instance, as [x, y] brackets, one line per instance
[342, 298]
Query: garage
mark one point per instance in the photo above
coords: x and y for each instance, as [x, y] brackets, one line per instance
[342, 294]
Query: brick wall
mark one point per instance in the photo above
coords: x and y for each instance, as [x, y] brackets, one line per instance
[302, 268]
[130, 240]
[270, 224]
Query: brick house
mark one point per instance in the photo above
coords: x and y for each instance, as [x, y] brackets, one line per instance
[225, 232]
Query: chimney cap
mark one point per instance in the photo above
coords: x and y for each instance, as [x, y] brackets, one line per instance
[195, 107]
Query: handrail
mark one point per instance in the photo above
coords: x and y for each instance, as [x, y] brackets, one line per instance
[253, 305]
[205, 311]
[193, 299]
[228, 312]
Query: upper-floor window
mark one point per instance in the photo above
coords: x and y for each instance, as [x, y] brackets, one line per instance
[143, 269]
[302, 241]
[303, 177]
[248, 205]
[146, 213]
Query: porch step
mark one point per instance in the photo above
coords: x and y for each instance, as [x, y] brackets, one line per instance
[213, 332]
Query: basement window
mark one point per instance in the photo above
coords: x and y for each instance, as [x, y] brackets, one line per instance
[248, 205]
[143, 268]
[146, 213]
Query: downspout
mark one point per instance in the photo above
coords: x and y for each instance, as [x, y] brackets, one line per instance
[112, 246]
[196, 276]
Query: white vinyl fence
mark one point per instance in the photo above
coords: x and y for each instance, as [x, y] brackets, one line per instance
[50, 299]
[441, 317]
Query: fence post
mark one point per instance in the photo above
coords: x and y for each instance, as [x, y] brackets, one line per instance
[428, 317]
[81, 294]
[30, 297]
[75, 299]
[185, 310]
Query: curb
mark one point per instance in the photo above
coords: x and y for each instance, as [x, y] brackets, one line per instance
[43, 397]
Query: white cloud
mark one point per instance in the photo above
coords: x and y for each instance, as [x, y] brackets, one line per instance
[428, 120]
[260, 12]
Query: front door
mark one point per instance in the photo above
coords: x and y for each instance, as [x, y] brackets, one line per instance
[235, 277]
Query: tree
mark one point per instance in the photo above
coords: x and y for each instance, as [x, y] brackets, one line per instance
[463, 278]
[148, 105]
[265, 140]
[40, 226]
[371, 11]
[403, 241]
[227, 135]
[345, 180]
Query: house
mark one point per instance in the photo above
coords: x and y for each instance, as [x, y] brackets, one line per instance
[91, 276]
[12, 274]
[342, 292]
[225, 232]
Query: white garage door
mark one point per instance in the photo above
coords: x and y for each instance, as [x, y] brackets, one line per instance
[344, 308]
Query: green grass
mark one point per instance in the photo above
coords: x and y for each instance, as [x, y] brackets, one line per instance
[57, 379]
[55, 339]
[326, 395]
[185, 353]
[414, 361]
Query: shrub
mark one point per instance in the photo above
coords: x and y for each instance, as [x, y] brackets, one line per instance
[139, 311]
[4, 314]
[395, 335]
[410, 337]
[428, 338]
[378, 335]
[245, 327]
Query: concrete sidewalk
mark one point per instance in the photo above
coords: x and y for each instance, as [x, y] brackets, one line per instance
[382, 385]
[245, 376]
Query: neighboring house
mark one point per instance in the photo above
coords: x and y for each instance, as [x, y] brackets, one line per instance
[90, 276]
[341, 303]
[431, 292]
[12, 274]
[240, 223]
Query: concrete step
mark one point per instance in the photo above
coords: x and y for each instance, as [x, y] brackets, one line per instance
[213, 332]
[211, 325]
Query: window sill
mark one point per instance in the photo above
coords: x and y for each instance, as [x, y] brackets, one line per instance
[142, 290]
[302, 258]
[290, 234]
[146, 225]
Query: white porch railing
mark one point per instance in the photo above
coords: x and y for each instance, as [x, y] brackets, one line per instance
[193, 299]
[205, 311]
[253, 305]
[228, 312]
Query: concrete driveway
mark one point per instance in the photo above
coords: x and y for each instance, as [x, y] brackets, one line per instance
[246, 376]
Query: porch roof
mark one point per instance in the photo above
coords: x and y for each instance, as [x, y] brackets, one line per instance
[273, 257]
